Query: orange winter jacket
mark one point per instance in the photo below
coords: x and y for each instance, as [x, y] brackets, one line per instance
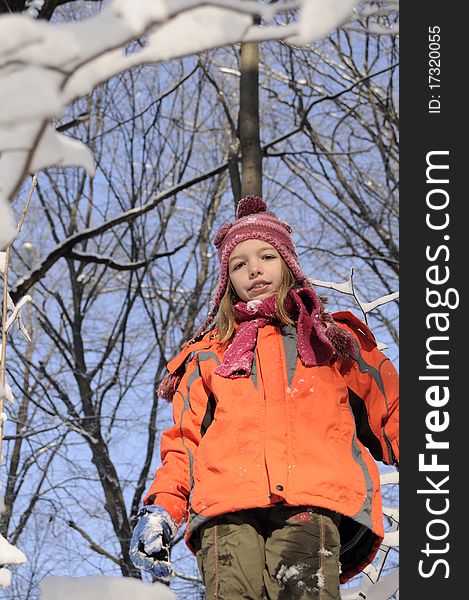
[301, 435]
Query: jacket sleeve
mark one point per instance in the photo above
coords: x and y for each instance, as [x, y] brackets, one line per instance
[174, 479]
[373, 385]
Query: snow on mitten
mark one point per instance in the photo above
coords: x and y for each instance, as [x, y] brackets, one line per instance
[151, 542]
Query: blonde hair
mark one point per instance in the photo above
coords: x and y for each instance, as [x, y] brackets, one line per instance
[226, 321]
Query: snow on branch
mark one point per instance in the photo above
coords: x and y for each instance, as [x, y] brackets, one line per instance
[348, 287]
[15, 315]
[33, 8]
[44, 67]
[9, 555]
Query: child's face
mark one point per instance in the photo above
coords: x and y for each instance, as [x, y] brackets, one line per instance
[255, 269]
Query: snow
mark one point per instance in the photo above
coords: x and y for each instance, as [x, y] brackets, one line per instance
[16, 313]
[97, 587]
[61, 151]
[6, 392]
[33, 7]
[386, 587]
[320, 578]
[253, 304]
[152, 533]
[286, 573]
[5, 577]
[204, 27]
[319, 18]
[9, 554]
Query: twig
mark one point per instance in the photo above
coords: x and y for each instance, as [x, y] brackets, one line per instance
[3, 369]
[93, 545]
[191, 578]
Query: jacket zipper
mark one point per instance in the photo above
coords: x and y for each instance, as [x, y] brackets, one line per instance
[260, 384]
[392, 457]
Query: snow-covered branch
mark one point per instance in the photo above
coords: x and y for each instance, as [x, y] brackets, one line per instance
[347, 287]
[9, 555]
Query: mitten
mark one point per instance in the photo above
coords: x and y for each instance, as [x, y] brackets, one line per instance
[150, 543]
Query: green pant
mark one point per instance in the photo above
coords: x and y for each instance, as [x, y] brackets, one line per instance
[276, 553]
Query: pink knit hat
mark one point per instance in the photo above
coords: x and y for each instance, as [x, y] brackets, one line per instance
[253, 221]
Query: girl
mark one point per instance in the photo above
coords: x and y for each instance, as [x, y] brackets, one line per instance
[279, 414]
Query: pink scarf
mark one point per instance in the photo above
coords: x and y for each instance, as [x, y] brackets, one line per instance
[320, 339]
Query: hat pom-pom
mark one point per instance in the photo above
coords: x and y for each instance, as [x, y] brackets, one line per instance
[249, 205]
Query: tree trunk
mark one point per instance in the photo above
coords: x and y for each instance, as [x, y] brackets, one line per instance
[251, 155]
